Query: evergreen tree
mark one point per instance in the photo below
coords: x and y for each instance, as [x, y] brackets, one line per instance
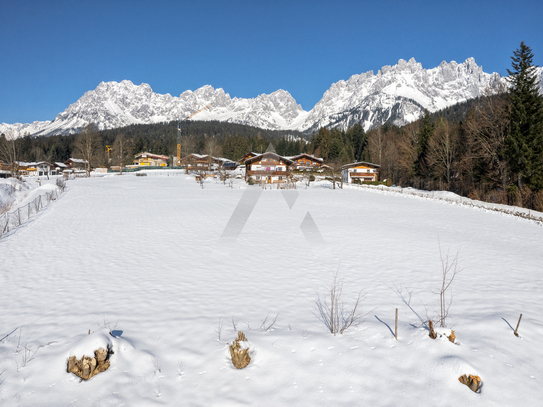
[425, 133]
[524, 143]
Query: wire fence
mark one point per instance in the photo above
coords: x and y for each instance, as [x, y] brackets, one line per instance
[15, 218]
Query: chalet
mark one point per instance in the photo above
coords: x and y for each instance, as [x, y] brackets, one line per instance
[150, 160]
[246, 157]
[60, 167]
[306, 162]
[35, 169]
[269, 168]
[361, 171]
[5, 170]
[195, 162]
[76, 163]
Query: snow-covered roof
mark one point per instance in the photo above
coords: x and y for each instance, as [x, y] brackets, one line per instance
[295, 157]
[31, 164]
[77, 160]
[151, 155]
[258, 157]
[61, 165]
[356, 164]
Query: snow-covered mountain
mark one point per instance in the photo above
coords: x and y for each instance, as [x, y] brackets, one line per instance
[114, 104]
[396, 94]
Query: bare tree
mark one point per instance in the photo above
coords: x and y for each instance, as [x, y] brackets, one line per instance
[443, 149]
[87, 146]
[212, 149]
[201, 175]
[376, 145]
[333, 312]
[486, 128]
[9, 151]
[122, 151]
[188, 145]
[449, 271]
[334, 172]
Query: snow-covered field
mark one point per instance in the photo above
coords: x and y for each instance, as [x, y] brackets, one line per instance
[144, 258]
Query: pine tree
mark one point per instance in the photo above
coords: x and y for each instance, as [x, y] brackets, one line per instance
[425, 133]
[524, 143]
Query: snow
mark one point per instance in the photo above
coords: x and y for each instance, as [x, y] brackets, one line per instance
[90, 342]
[143, 257]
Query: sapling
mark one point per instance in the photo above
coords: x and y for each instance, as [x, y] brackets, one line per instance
[449, 270]
[333, 312]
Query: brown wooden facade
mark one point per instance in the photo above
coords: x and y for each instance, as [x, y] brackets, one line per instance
[306, 162]
[268, 168]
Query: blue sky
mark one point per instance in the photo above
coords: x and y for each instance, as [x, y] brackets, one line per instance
[52, 52]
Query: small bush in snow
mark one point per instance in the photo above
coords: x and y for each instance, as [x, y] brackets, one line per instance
[332, 309]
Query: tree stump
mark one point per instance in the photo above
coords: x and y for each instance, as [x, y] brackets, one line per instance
[433, 334]
[87, 367]
[240, 356]
[452, 337]
[473, 382]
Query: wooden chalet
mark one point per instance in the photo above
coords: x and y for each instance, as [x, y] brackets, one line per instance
[60, 167]
[361, 171]
[268, 168]
[5, 170]
[76, 163]
[147, 159]
[194, 162]
[247, 156]
[306, 162]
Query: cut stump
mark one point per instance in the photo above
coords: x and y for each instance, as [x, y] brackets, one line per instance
[473, 382]
[240, 355]
[87, 367]
[433, 334]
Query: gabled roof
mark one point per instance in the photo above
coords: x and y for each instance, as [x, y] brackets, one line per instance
[31, 164]
[77, 160]
[269, 154]
[311, 157]
[360, 163]
[160, 157]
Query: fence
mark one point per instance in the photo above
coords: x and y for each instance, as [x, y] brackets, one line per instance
[17, 217]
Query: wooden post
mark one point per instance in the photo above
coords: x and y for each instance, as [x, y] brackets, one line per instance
[396, 326]
[516, 334]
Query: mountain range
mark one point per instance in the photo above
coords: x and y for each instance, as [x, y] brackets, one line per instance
[396, 94]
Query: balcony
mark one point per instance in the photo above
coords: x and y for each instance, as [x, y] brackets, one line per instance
[266, 173]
